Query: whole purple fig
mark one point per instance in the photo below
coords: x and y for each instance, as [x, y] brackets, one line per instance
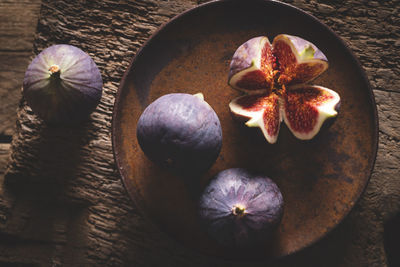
[240, 209]
[62, 84]
[180, 132]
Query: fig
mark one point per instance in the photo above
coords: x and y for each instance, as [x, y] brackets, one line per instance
[275, 79]
[240, 209]
[260, 110]
[180, 132]
[299, 60]
[251, 68]
[62, 84]
[307, 107]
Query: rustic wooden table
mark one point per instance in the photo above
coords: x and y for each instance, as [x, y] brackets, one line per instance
[61, 199]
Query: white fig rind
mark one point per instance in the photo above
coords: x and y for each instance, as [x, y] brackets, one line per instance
[259, 122]
[238, 76]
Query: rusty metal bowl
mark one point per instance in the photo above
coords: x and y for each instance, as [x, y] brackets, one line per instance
[321, 179]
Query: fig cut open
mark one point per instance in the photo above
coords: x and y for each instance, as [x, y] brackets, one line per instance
[274, 78]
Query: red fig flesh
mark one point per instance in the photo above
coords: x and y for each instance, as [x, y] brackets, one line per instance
[306, 109]
[299, 60]
[275, 76]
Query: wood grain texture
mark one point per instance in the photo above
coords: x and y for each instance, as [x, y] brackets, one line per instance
[17, 24]
[64, 204]
[18, 19]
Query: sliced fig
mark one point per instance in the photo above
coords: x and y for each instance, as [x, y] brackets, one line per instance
[307, 107]
[275, 78]
[252, 66]
[261, 111]
[303, 108]
[299, 60]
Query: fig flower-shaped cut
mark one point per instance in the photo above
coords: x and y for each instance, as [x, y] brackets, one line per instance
[274, 78]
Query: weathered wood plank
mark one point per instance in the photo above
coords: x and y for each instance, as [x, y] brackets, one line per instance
[18, 24]
[4, 202]
[18, 19]
[12, 70]
[62, 182]
[4, 155]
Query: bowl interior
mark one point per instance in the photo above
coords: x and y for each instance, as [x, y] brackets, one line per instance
[320, 179]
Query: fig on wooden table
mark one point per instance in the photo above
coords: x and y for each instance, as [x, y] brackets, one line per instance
[62, 84]
[241, 209]
[275, 77]
[180, 132]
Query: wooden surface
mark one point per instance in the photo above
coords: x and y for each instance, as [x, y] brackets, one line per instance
[18, 19]
[62, 202]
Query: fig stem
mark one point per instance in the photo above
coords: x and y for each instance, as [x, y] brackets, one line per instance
[199, 95]
[238, 210]
[54, 71]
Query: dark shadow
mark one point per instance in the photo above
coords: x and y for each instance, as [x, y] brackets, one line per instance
[41, 173]
[50, 155]
[18, 264]
[392, 241]
[5, 139]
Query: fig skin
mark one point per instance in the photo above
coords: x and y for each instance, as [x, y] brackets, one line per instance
[241, 209]
[246, 53]
[301, 44]
[62, 84]
[180, 132]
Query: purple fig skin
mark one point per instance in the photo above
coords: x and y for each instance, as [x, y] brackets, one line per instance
[180, 132]
[62, 84]
[240, 209]
[245, 54]
[300, 44]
